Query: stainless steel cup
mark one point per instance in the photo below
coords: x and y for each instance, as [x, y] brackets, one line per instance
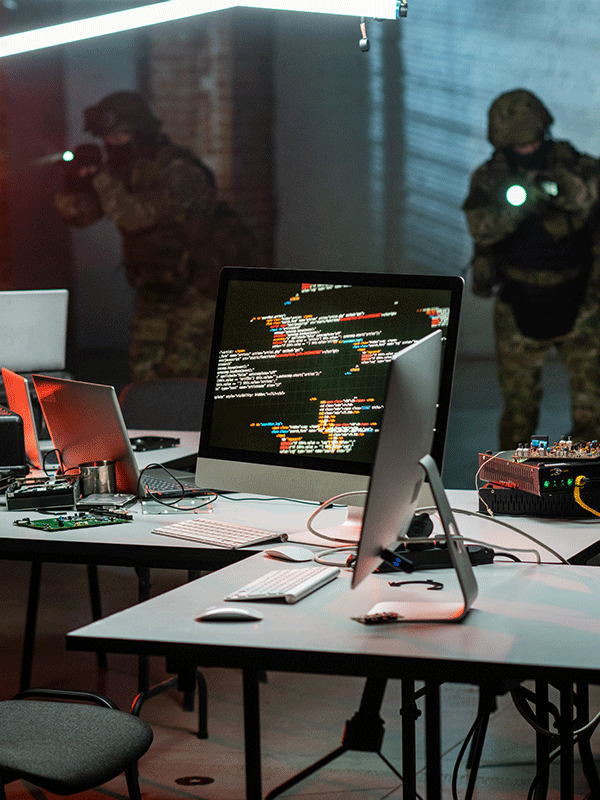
[97, 477]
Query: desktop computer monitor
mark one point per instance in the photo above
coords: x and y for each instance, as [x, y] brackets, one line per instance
[397, 475]
[298, 373]
[401, 462]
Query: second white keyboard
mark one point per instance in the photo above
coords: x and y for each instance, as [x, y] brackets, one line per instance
[290, 585]
[218, 533]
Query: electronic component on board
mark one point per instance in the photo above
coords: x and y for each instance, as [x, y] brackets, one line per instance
[541, 477]
[68, 521]
[538, 475]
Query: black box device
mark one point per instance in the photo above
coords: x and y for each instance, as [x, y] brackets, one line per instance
[13, 461]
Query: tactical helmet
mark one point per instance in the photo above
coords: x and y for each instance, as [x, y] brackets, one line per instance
[121, 111]
[517, 118]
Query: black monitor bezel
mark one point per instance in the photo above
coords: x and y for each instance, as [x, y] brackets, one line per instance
[452, 283]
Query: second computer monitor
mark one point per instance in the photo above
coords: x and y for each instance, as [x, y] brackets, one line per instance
[298, 373]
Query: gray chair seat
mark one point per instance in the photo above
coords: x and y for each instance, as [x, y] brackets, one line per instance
[69, 747]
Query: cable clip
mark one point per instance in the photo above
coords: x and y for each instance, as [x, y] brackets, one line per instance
[431, 585]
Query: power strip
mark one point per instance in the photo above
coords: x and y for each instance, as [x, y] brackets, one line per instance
[438, 557]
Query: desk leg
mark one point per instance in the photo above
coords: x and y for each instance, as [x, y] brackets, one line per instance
[252, 734]
[567, 760]
[588, 762]
[30, 623]
[96, 604]
[33, 600]
[363, 732]
[185, 681]
[409, 712]
[143, 574]
[433, 742]
[542, 743]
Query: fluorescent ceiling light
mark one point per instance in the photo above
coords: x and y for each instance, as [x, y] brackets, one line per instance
[171, 10]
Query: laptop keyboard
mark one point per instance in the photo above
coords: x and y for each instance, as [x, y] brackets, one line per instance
[290, 585]
[218, 533]
[169, 487]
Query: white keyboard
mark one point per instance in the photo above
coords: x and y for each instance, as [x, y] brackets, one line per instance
[218, 533]
[290, 585]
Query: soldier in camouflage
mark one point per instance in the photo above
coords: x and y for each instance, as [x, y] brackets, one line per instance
[175, 234]
[532, 212]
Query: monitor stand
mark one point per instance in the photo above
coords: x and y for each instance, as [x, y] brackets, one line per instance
[349, 530]
[422, 609]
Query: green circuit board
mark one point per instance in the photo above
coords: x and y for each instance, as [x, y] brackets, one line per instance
[67, 521]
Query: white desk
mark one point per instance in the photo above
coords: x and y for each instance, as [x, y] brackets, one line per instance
[528, 623]
[476, 651]
[135, 545]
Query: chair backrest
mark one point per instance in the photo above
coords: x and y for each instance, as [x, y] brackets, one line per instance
[168, 404]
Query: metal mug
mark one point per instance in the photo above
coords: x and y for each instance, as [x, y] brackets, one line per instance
[97, 477]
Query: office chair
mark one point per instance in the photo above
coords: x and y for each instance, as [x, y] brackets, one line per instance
[69, 747]
[167, 404]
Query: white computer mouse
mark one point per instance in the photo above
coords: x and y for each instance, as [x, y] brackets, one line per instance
[229, 614]
[290, 552]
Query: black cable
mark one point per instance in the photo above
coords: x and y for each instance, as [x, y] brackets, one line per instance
[510, 556]
[539, 774]
[226, 496]
[61, 466]
[62, 470]
[211, 495]
[521, 698]
[462, 752]
[55, 511]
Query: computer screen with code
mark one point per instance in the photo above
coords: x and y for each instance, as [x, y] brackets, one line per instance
[300, 363]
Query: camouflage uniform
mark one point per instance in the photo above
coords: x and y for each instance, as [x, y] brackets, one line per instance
[541, 261]
[175, 235]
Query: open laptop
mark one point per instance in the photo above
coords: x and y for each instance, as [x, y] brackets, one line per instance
[86, 424]
[33, 329]
[19, 401]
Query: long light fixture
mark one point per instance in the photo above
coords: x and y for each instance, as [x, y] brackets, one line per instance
[170, 10]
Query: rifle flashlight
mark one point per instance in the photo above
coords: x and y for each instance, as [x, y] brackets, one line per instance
[516, 195]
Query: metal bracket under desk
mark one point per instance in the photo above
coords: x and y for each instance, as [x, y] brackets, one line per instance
[186, 680]
[364, 733]
[35, 579]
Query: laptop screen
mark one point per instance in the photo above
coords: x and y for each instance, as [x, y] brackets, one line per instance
[19, 401]
[33, 329]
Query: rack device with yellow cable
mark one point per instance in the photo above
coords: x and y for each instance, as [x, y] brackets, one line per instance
[561, 479]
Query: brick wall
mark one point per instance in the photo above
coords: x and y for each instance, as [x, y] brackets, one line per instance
[210, 81]
[4, 193]
[457, 59]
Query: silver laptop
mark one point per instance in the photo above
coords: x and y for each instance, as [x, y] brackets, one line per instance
[33, 329]
[86, 424]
